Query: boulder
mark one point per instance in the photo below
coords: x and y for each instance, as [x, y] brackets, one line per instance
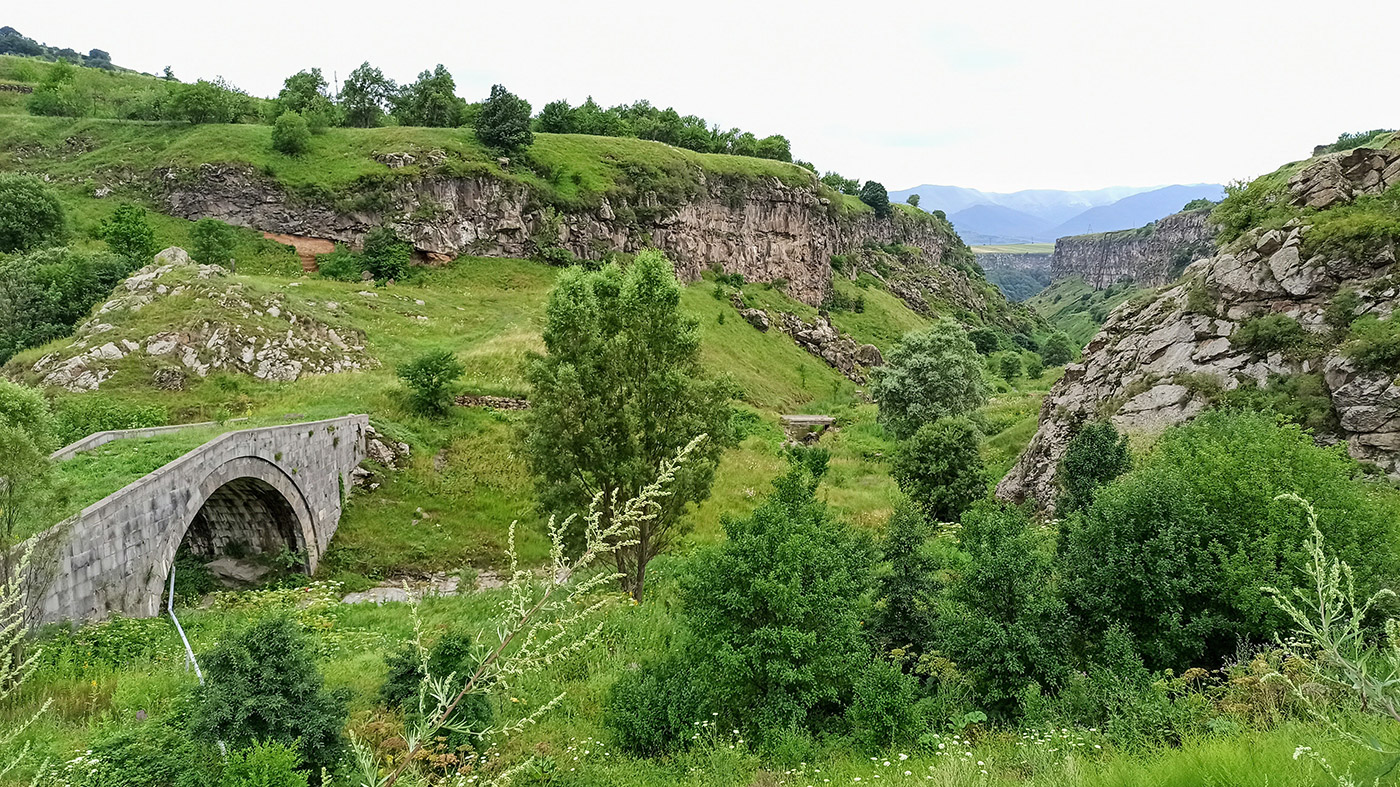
[758, 318]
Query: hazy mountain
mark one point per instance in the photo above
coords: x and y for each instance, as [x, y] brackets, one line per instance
[1042, 215]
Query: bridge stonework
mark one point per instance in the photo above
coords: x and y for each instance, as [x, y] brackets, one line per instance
[282, 484]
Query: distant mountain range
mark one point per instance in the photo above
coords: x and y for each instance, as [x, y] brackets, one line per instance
[1042, 215]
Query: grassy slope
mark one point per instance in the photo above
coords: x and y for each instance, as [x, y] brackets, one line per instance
[1068, 304]
[1016, 248]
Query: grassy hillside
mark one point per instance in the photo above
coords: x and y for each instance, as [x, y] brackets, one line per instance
[1072, 306]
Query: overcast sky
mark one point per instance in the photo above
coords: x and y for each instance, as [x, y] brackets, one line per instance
[998, 96]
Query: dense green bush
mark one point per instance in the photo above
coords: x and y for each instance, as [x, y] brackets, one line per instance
[210, 102]
[1002, 621]
[1094, 456]
[211, 242]
[1362, 230]
[30, 213]
[57, 94]
[1059, 349]
[429, 378]
[451, 654]
[940, 468]
[874, 195]
[1375, 344]
[1269, 334]
[261, 684]
[1264, 202]
[1302, 399]
[290, 134]
[1176, 550]
[157, 752]
[655, 708]
[341, 264]
[129, 235]
[884, 710]
[504, 123]
[269, 764]
[76, 417]
[986, 340]
[907, 582]
[1009, 366]
[45, 293]
[385, 256]
[1341, 310]
[1034, 366]
[930, 374]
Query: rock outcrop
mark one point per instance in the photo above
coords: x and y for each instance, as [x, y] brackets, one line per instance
[764, 229]
[839, 350]
[211, 323]
[1161, 359]
[1148, 256]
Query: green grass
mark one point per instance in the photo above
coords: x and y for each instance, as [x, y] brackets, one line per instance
[1070, 305]
[1015, 248]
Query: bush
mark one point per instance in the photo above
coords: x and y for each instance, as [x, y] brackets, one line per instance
[504, 123]
[1094, 456]
[1302, 399]
[1058, 350]
[206, 102]
[1003, 621]
[451, 654]
[874, 195]
[772, 614]
[268, 764]
[1341, 310]
[385, 256]
[929, 375]
[429, 378]
[57, 94]
[1176, 550]
[262, 685]
[76, 417]
[30, 213]
[1363, 230]
[884, 711]
[45, 293]
[290, 134]
[1034, 366]
[211, 242]
[158, 752]
[1269, 334]
[654, 709]
[1375, 344]
[940, 468]
[1009, 366]
[341, 264]
[129, 235]
[985, 340]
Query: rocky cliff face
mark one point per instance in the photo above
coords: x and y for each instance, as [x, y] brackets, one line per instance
[1165, 357]
[1150, 256]
[765, 230]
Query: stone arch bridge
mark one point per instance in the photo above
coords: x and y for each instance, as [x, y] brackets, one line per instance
[265, 488]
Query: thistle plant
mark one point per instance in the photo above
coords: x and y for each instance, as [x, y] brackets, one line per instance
[541, 621]
[16, 666]
[1332, 640]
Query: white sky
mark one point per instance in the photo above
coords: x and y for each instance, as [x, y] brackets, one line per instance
[998, 96]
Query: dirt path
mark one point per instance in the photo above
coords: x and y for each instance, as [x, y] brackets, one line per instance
[306, 248]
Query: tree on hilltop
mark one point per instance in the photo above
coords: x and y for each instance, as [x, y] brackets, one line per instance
[504, 123]
[874, 195]
[366, 96]
[430, 101]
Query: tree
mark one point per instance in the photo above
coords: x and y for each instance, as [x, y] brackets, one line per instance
[305, 93]
[201, 102]
[1058, 349]
[430, 101]
[429, 378]
[26, 440]
[556, 117]
[57, 93]
[930, 374]
[129, 235]
[505, 121]
[1176, 550]
[940, 468]
[874, 195]
[842, 184]
[913, 200]
[212, 241]
[411, 666]
[774, 147]
[1003, 622]
[366, 96]
[619, 389]
[907, 584]
[385, 256]
[290, 134]
[984, 339]
[45, 293]
[1095, 456]
[1035, 367]
[262, 685]
[30, 213]
[1009, 366]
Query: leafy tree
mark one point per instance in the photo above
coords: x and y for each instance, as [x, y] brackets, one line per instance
[940, 468]
[30, 213]
[385, 256]
[1009, 366]
[907, 583]
[984, 339]
[773, 612]
[57, 93]
[290, 134]
[430, 101]
[430, 377]
[1058, 350]
[505, 121]
[129, 235]
[618, 391]
[306, 94]
[884, 708]
[913, 200]
[874, 195]
[1176, 550]
[366, 96]
[1095, 456]
[841, 184]
[930, 374]
[1003, 622]
[201, 102]
[211, 242]
[1035, 367]
[261, 685]
[556, 117]
[775, 147]
[45, 293]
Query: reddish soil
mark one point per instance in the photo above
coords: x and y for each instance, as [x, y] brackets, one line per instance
[306, 248]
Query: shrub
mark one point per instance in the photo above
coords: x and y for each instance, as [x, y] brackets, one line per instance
[1302, 399]
[874, 195]
[57, 94]
[907, 582]
[262, 685]
[429, 378]
[1375, 344]
[290, 134]
[1269, 334]
[1058, 350]
[129, 235]
[385, 256]
[202, 102]
[1262, 202]
[76, 417]
[929, 375]
[884, 710]
[1034, 366]
[1341, 310]
[985, 340]
[211, 242]
[45, 293]
[654, 709]
[1002, 621]
[1009, 366]
[772, 613]
[268, 764]
[30, 213]
[341, 264]
[1094, 456]
[504, 123]
[156, 752]
[1176, 550]
[940, 468]
[452, 655]
[1362, 231]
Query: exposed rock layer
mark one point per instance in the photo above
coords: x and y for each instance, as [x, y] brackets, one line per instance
[1149, 257]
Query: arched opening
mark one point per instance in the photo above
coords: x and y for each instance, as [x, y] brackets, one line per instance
[245, 533]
